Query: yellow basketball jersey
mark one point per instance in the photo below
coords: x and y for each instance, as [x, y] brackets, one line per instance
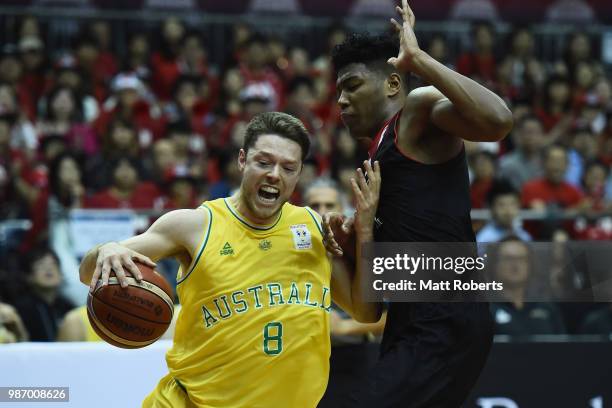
[90, 334]
[254, 326]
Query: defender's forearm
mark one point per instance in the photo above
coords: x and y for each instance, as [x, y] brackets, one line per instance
[473, 101]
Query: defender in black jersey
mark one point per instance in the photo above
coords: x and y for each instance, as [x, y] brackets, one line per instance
[432, 353]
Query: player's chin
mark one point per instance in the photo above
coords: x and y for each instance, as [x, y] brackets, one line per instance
[268, 206]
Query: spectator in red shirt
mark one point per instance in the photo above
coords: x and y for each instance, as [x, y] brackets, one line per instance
[86, 52]
[479, 64]
[188, 148]
[483, 170]
[255, 70]
[64, 118]
[165, 62]
[139, 56]
[181, 192]
[128, 104]
[126, 190]
[520, 73]
[188, 105]
[68, 74]
[65, 191]
[34, 77]
[106, 62]
[556, 103]
[120, 140]
[552, 190]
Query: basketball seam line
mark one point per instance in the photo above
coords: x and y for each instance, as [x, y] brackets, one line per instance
[156, 290]
[116, 338]
[131, 314]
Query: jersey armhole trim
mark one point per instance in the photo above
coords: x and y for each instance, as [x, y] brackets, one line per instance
[316, 221]
[396, 141]
[202, 246]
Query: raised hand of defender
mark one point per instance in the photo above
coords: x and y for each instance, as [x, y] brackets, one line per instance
[409, 45]
[366, 199]
[121, 260]
[338, 233]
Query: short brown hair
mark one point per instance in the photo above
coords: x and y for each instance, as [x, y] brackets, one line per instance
[277, 123]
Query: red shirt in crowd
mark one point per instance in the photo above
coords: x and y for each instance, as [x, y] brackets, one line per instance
[477, 66]
[144, 197]
[563, 194]
[478, 192]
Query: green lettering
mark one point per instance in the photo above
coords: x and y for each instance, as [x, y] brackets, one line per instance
[276, 292]
[254, 289]
[307, 300]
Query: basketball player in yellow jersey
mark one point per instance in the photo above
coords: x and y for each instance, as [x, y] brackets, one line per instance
[255, 282]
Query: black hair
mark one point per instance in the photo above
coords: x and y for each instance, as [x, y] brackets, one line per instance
[76, 113]
[36, 255]
[194, 80]
[54, 184]
[299, 81]
[180, 126]
[499, 188]
[589, 165]
[366, 49]
[277, 123]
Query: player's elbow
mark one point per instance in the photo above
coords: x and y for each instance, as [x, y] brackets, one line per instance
[497, 125]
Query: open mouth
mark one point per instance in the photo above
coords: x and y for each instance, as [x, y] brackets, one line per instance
[268, 195]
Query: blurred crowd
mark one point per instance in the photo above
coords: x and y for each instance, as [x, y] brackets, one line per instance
[159, 128]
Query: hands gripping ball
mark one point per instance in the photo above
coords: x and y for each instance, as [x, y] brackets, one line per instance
[135, 316]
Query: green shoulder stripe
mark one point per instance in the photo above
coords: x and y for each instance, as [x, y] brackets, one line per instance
[314, 217]
[202, 246]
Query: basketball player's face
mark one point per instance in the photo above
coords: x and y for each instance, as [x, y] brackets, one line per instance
[270, 172]
[362, 99]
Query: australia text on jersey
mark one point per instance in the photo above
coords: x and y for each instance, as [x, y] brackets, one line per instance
[271, 294]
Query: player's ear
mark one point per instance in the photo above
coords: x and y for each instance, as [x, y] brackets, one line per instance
[393, 84]
[241, 159]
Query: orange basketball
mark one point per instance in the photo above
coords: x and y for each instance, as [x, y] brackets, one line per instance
[134, 316]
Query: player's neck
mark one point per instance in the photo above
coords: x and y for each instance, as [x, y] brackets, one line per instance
[238, 202]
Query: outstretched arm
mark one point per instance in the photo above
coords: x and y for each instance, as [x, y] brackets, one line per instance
[348, 279]
[169, 236]
[454, 103]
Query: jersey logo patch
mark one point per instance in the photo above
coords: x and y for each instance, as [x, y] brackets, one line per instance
[301, 236]
[265, 245]
[227, 249]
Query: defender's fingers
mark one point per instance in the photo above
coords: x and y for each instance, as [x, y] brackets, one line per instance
[347, 226]
[374, 176]
[363, 184]
[358, 194]
[397, 26]
[368, 169]
[409, 12]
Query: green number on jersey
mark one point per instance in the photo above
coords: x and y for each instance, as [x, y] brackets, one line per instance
[273, 338]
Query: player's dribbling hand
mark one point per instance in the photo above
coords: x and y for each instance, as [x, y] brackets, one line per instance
[338, 233]
[366, 199]
[121, 260]
[409, 45]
